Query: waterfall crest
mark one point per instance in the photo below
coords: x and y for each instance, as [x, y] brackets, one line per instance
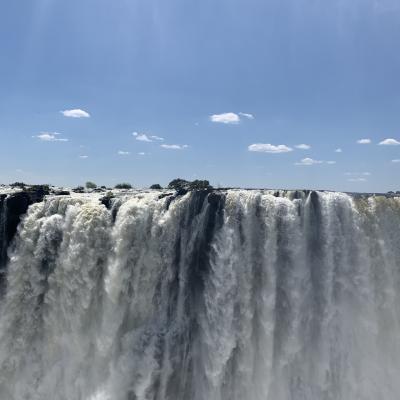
[227, 295]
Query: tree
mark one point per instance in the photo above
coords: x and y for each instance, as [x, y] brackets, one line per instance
[18, 184]
[90, 185]
[200, 185]
[123, 185]
[178, 184]
[156, 186]
[182, 185]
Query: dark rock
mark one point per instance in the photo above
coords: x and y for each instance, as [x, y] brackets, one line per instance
[106, 201]
[161, 196]
[17, 205]
[61, 193]
[12, 208]
[214, 198]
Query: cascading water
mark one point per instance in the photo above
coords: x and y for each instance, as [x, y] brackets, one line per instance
[228, 295]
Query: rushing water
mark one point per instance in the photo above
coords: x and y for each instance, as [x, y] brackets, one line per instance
[236, 295]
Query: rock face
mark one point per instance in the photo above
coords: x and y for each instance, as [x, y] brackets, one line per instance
[12, 207]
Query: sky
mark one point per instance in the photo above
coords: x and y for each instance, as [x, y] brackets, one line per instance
[285, 94]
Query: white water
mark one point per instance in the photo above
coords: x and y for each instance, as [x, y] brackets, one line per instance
[248, 297]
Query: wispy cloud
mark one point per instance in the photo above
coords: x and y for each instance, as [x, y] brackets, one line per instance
[364, 141]
[174, 146]
[50, 137]
[331, 162]
[397, 160]
[123, 153]
[142, 153]
[143, 137]
[389, 142]
[269, 148]
[357, 173]
[225, 118]
[308, 161]
[303, 146]
[357, 180]
[75, 113]
[338, 150]
[246, 115]
[84, 157]
[154, 137]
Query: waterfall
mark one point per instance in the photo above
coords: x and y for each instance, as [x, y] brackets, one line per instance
[224, 295]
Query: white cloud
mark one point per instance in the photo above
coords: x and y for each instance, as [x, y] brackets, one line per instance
[142, 137]
[154, 137]
[357, 179]
[338, 150]
[174, 146]
[75, 113]
[225, 118]
[246, 115]
[83, 157]
[50, 137]
[364, 141]
[123, 153]
[142, 153]
[308, 161]
[269, 148]
[331, 162]
[357, 173]
[396, 160]
[390, 142]
[303, 146]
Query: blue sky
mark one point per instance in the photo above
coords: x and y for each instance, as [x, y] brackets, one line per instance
[231, 86]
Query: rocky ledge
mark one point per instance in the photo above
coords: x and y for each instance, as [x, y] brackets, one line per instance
[12, 207]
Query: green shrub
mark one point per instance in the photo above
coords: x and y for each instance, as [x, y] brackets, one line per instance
[18, 184]
[90, 185]
[123, 186]
[182, 185]
[178, 184]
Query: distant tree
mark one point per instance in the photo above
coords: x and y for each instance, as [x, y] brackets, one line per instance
[156, 186]
[182, 185]
[178, 184]
[18, 184]
[200, 185]
[123, 186]
[90, 185]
